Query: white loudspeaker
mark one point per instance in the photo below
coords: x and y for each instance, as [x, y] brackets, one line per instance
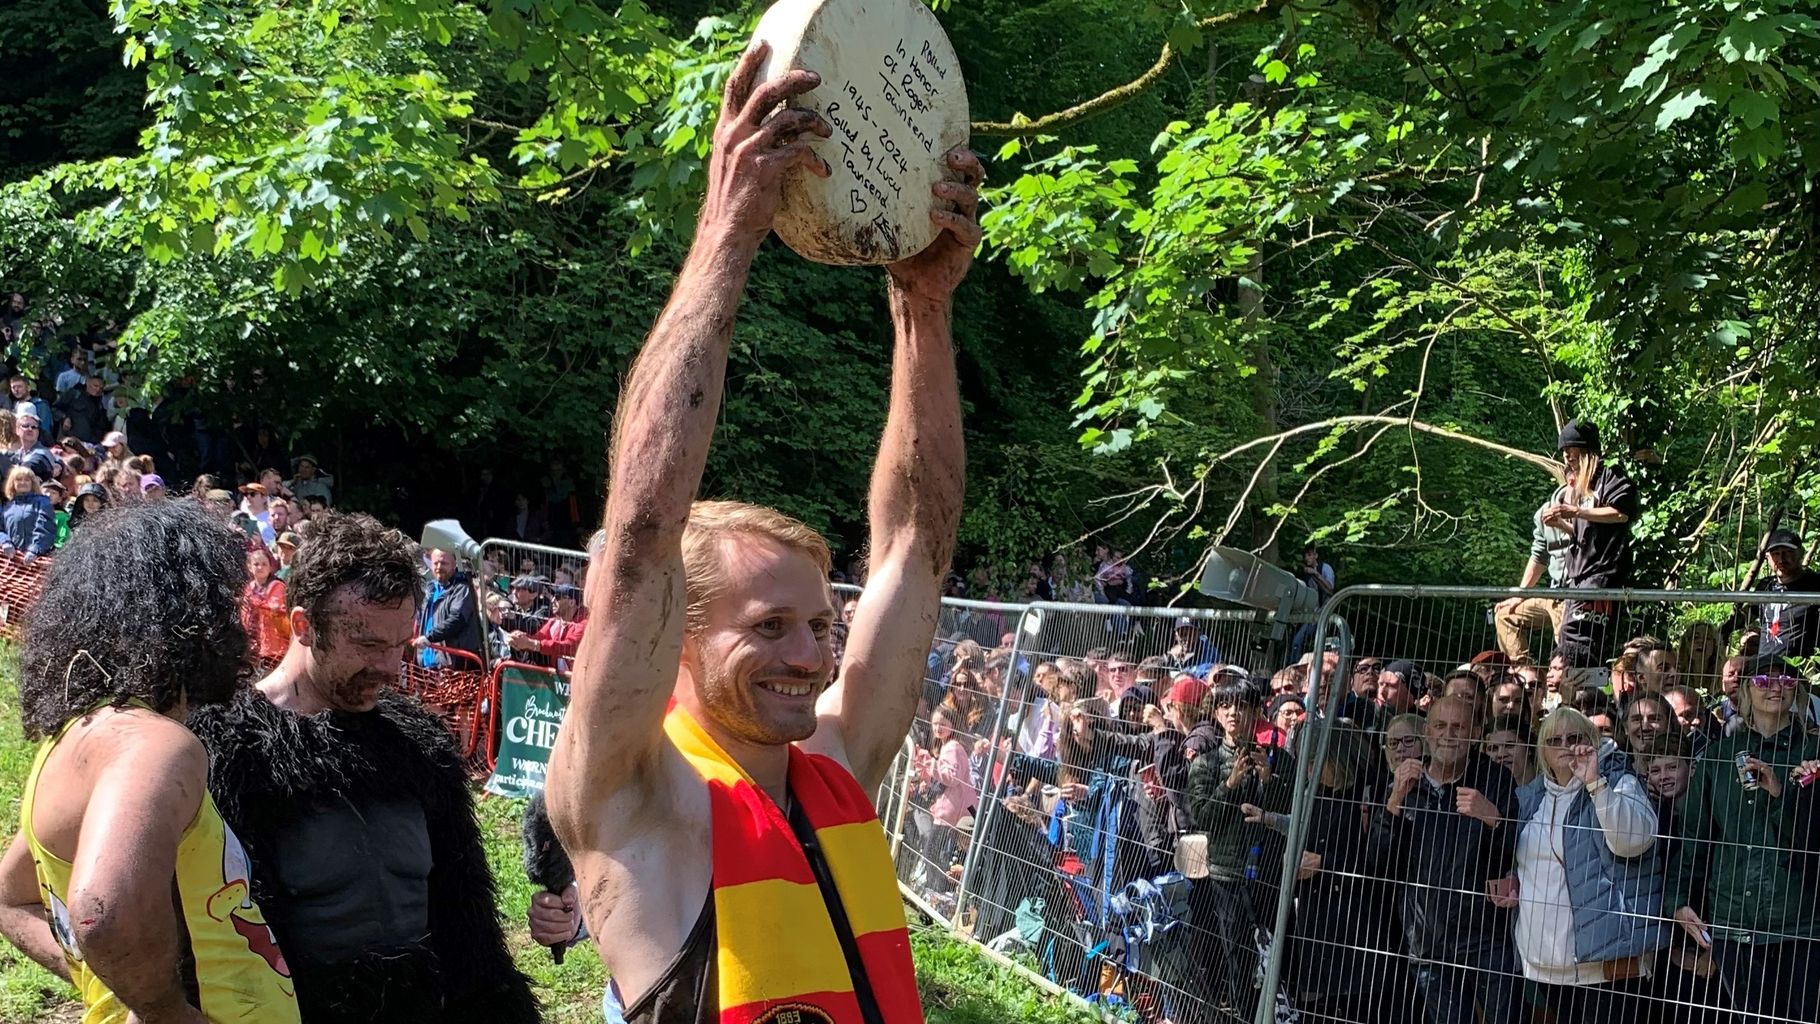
[1243, 578]
[448, 535]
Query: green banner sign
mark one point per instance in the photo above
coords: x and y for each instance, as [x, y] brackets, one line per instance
[531, 705]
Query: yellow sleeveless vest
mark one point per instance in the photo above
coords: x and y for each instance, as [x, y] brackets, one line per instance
[233, 967]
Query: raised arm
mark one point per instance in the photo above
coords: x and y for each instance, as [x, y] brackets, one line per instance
[628, 657]
[915, 504]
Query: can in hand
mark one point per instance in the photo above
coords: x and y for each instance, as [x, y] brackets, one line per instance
[1747, 777]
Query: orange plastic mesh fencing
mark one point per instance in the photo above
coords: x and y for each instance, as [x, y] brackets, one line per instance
[460, 693]
[20, 584]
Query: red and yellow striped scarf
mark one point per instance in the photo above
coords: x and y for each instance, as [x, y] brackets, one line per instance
[779, 960]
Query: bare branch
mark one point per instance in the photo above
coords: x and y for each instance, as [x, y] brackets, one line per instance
[1264, 12]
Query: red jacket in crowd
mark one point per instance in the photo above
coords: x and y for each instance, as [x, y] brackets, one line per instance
[559, 638]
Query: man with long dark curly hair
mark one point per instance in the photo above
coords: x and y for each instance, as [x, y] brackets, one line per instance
[138, 624]
[354, 806]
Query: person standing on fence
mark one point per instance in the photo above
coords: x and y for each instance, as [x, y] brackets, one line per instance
[1448, 825]
[1596, 510]
[123, 878]
[709, 783]
[1739, 832]
[354, 805]
[1517, 617]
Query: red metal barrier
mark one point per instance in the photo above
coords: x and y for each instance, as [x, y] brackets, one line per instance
[20, 584]
[463, 694]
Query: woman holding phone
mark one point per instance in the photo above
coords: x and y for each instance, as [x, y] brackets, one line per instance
[1589, 880]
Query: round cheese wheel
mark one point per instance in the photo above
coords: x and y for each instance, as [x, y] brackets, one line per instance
[891, 90]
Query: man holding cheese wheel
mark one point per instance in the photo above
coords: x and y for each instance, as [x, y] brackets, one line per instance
[710, 783]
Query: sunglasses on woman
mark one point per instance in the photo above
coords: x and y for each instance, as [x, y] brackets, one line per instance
[1774, 682]
[1568, 739]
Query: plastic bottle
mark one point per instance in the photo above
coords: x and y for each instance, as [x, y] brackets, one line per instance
[1251, 863]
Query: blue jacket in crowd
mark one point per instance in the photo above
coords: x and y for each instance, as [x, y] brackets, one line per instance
[1617, 901]
[31, 525]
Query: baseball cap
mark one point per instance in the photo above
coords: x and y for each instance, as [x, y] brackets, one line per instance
[252, 488]
[26, 410]
[566, 590]
[965, 824]
[288, 539]
[217, 494]
[528, 583]
[113, 438]
[1188, 690]
[149, 481]
[1782, 539]
[1773, 665]
[1577, 434]
[1184, 622]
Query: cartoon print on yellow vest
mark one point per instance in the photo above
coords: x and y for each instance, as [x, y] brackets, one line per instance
[234, 901]
[59, 916]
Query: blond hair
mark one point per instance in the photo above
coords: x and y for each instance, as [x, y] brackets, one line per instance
[18, 476]
[1564, 719]
[710, 522]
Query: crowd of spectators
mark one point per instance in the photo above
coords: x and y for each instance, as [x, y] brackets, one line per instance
[1484, 840]
[1609, 828]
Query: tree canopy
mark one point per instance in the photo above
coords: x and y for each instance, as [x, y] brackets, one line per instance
[1331, 269]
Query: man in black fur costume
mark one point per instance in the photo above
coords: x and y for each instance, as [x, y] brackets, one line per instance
[354, 807]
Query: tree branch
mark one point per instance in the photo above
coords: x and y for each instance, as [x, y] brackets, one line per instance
[1542, 462]
[1265, 11]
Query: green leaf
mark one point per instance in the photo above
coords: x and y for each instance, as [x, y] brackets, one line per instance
[1753, 108]
[1276, 72]
[1680, 106]
[1750, 38]
[1184, 33]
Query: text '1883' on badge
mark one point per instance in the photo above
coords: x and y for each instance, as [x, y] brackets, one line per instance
[891, 90]
[794, 1013]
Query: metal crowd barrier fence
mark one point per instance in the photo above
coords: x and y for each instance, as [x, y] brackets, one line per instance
[1553, 818]
[1488, 895]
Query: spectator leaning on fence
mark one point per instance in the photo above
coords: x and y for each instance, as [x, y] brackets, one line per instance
[1589, 882]
[450, 616]
[1345, 965]
[556, 640]
[1739, 835]
[1448, 827]
[1243, 857]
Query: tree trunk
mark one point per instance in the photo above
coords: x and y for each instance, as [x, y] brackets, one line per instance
[1263, 384]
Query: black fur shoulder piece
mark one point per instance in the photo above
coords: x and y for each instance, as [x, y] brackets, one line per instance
[260, 752]
[269, 767]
